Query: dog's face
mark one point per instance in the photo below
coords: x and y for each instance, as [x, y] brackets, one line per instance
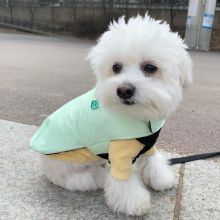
[141, 68]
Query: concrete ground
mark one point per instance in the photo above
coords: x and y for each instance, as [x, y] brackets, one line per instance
[38, 74]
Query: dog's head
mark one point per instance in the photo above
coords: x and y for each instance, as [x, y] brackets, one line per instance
[141, 68]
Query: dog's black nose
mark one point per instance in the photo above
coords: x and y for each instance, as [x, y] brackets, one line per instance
[125, 91]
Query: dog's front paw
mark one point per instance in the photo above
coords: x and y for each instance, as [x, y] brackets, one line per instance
[127, 196]
[159, 180]
[157, 174]
[129, 204]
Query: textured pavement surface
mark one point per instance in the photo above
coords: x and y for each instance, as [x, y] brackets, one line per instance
[38, 74]
[201, 191]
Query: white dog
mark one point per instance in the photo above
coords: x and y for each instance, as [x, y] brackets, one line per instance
[141, 69]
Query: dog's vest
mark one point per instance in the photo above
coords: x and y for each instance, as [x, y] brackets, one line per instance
[83, 122]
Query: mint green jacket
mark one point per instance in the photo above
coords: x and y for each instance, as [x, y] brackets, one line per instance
[83, 122]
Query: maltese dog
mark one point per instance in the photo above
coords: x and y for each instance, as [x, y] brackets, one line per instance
[105, 138]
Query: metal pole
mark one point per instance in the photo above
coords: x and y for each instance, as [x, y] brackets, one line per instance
[194, 16]
[206, 26]
[199, 24]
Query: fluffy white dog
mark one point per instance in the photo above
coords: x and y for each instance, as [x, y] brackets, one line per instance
[141, 69]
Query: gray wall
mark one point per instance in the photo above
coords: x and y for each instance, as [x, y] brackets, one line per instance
[90, 22]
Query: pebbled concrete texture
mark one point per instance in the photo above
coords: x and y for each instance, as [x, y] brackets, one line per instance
[201, 191]
[26, 194]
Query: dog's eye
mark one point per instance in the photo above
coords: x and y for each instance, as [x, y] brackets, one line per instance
[117, 68]
[149, 68]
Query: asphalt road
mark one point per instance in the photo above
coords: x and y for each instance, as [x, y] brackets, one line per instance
[38, 74]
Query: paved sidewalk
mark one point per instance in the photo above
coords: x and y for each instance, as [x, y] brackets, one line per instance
[26, 194]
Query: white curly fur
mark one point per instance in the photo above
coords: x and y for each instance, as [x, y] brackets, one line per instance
[141, 39]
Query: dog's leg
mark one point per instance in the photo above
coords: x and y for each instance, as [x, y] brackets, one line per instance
[127, 196]
[124, 191]
[156, 172]
[74, 176]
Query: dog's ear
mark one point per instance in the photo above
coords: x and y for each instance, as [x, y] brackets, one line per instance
[185, 70]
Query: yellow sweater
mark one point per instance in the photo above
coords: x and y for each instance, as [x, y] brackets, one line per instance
[121, 153]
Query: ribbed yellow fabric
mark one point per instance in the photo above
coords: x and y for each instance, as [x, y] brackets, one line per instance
[80, 155]
[151, 152]
[121, 153]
